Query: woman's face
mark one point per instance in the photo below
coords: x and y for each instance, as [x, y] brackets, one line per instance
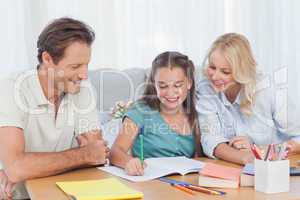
[172, 87]
[219, 72]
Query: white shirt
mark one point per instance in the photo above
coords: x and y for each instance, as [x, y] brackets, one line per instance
[24, 105]
[221, 120]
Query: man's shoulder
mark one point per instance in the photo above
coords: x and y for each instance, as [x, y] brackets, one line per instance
[8, 80]
[16, 88]
[17, 78]
[7, 84]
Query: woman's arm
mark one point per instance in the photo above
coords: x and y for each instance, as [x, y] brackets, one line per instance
[293, 146]
[228, 153]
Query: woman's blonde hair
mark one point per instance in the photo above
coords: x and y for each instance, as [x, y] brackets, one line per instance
[237, 51]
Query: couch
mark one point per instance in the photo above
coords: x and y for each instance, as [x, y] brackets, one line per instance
[114, 85]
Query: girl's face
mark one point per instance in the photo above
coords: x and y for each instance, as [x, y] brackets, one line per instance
[172, 87]
[219, 72]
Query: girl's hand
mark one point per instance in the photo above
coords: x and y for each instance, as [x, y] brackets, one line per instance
[134, 167]
[240, 142]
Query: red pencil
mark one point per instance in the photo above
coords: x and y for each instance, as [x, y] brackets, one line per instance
[256, 151]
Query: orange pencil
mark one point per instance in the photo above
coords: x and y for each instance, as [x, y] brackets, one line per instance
[205, 190]
[182, 188]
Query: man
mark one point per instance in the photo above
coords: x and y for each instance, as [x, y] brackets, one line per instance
[45, 113]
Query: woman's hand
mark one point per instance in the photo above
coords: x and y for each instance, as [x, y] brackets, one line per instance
[293, 147]
[247, 157]
[240, 143]
[134, 167]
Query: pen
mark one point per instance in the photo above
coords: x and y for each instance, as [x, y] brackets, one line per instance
[205, 190]
[283, 152]
[255, 151]
[273, 154]
[268, 152]
[183, 188]
[193, 187]
[142, 146]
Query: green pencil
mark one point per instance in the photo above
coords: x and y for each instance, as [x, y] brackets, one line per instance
[142, 148]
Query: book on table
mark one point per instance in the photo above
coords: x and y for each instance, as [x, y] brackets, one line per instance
[247, 176]
[219, 176]
[159, 167]
[104, 189]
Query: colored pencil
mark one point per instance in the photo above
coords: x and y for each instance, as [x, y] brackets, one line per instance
[183, 188]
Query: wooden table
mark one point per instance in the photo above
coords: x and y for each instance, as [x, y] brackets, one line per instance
[45, 188]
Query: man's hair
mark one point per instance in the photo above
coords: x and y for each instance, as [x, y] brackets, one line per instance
[59, 34]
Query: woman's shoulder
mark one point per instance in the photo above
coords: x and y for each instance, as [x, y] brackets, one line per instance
[265, 93]
[203, 87]
[264, 85]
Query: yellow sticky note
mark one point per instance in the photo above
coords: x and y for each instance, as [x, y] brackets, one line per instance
[104, 189]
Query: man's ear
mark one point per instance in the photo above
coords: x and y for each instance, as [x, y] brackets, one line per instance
[47, 59]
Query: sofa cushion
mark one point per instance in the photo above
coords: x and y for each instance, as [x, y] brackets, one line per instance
[114, 85]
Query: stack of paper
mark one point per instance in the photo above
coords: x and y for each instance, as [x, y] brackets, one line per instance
[247, 176]
[109, 188]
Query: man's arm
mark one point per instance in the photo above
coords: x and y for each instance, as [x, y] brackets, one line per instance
[20, 165]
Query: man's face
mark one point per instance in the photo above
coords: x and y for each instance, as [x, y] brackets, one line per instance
[72, 68]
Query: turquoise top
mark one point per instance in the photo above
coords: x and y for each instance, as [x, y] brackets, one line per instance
[160, 140]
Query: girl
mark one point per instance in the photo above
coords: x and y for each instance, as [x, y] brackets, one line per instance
[165, 116]
[235, 108]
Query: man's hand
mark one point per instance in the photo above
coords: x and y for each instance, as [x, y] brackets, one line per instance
[6, 186]
[85, 138]
[293, 147]
[96, 152]
[95, 148]
[240, 142]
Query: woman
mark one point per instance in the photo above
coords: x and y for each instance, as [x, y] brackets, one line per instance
[165, 116]
[234, 106]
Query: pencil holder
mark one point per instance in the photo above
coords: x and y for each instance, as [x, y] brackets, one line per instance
[272, 176]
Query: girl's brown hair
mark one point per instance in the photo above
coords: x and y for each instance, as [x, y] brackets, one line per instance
[172, 59]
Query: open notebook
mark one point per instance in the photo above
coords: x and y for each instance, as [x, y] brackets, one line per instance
[103, 189]
[158, 167]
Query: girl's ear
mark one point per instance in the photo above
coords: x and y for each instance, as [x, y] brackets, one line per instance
[189, 84]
